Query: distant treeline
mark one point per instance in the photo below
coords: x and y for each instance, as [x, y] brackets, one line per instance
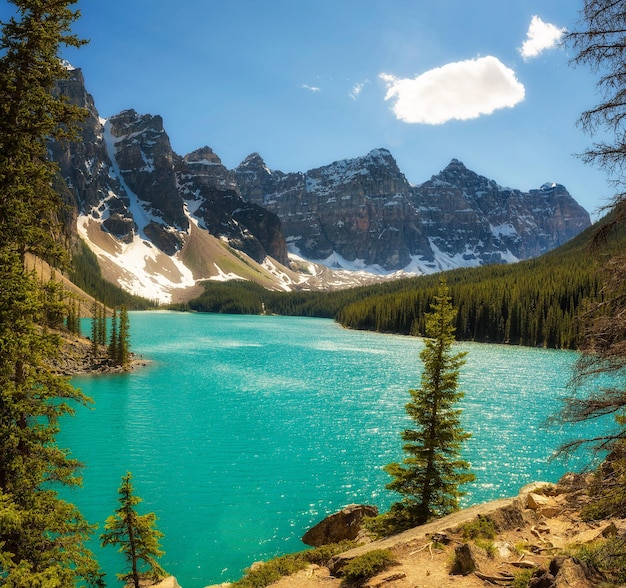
[532, 303]
[521, 305]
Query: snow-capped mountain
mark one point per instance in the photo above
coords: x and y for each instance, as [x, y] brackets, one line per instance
[363, 213]
[160, 223]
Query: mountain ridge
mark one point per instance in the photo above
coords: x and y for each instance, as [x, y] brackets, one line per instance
[161, 223]
[456, 218]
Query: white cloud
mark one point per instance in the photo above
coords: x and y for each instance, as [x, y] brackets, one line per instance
[462, 90]
[311, 88]
[540, 37]
[357, 89]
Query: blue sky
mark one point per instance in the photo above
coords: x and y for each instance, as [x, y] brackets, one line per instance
[305, 83]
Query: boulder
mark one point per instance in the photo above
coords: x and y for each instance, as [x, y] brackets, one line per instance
[570, 572]
[543, 505]
[566, 572]
[595, 533]
[343, 525]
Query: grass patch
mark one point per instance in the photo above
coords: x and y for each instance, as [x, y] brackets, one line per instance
[273, 570]
[608, 556]
[481, 528]
[522, 578]
[363, 567]
[487, 545]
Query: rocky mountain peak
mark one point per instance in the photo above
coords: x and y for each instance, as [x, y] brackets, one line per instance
[254, 168]
[203, 156]
[141, 151]
[130, 122]
[381, 156]
[458, 176]
[253, 160]
[550, 187]
[362, 212]
[358, 213]
[73, 87]
[455, 167]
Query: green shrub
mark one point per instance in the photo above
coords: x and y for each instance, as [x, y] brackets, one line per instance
[481, 528]
[487, 545]
[521, 547]
[522, 578]
[609, 556]
[399, 518]
[273, 570]
[322, 555]
[270, 571]
[365, 566]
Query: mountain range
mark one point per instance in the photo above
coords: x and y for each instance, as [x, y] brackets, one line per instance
[160, 223]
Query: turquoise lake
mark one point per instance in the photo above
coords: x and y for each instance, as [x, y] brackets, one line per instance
[244, 431]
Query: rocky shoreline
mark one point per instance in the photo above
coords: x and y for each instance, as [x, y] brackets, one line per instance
[536, 538]
[76, 358]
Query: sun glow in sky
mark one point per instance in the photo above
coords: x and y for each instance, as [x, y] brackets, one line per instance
[305, 83]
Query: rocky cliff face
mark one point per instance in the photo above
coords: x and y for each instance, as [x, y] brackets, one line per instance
[131, 186]
[363, 213]
[212, 195]
[160, 218]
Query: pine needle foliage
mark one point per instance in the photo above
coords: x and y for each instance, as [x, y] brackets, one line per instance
[136, 535]
[430, 475]
[122, 347]
[42, 538]
[599, 42]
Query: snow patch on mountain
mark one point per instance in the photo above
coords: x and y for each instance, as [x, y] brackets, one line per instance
[138, 208]
[143, 269]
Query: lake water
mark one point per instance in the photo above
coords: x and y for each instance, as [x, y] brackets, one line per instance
[244, 431]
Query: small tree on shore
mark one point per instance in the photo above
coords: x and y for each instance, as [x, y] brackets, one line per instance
[123, 338]
[136, 535]
[113, 340]
[430, 475]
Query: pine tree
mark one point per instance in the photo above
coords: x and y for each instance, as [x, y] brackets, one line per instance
[74, 317]
[432, 472]
[136, 535]
[102, 325]
[123, 338]
[113, 340]
[95, 317]
[42, 538]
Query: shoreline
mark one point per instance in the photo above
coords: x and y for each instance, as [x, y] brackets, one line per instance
[75, 359]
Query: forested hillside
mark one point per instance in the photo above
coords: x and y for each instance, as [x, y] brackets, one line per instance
[534, 303]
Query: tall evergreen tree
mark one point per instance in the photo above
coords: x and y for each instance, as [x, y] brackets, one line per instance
[113, 340]
[136, 535]
[42, 538]
[102, 325]
[432, 472]
[123, 338]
